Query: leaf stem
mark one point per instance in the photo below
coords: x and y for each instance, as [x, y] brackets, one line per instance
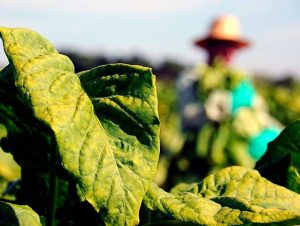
[53, 187]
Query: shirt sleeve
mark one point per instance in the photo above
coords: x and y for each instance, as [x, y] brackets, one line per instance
[192, 113]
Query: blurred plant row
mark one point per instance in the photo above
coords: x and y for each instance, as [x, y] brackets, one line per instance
[281, 96]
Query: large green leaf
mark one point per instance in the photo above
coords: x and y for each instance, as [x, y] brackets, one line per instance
[124, 99]
[17, 215]
[112, 154]
[232, 196]
[281, 162]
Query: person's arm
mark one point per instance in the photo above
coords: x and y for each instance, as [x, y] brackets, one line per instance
[252, 120]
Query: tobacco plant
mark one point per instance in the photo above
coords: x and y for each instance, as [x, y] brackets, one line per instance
[88, 146]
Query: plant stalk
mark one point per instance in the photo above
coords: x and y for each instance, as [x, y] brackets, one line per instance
[53, 188]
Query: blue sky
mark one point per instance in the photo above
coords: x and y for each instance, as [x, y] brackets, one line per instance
[160, 29]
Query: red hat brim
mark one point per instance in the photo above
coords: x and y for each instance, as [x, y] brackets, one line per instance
[238, 43]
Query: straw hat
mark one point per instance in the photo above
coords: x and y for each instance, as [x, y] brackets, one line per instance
[224, 28]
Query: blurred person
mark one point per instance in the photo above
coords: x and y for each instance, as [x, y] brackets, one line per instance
[226, 122]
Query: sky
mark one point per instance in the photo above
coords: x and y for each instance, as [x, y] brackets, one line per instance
[163, 29]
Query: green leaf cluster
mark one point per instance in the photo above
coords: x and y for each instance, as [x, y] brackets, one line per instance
[88, 146]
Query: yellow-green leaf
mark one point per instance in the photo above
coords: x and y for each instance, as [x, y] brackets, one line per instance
[107, 133]
[232, 196]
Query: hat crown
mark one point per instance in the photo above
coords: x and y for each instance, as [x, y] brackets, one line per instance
[225, 27]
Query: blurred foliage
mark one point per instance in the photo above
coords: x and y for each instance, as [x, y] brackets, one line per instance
[282, 96]
[9, 169]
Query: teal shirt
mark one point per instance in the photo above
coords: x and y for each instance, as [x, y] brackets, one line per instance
[242, 96]
[258, 144]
